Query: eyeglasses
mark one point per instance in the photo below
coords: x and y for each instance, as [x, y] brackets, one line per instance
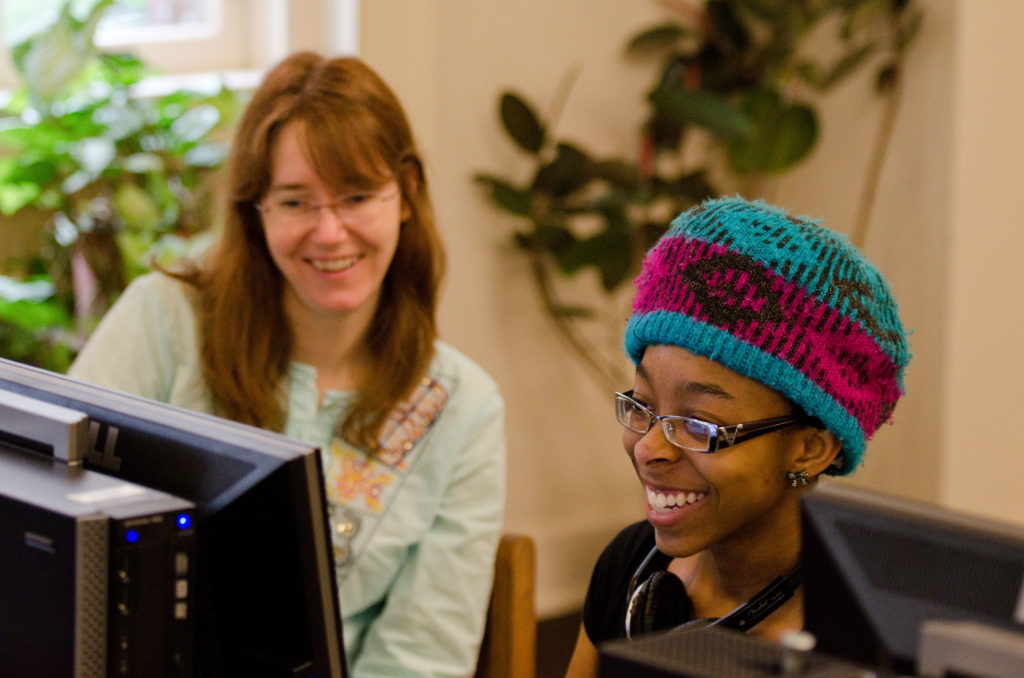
[354, 209]
[693, 434]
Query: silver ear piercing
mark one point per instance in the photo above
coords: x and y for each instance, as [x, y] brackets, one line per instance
[797, 478]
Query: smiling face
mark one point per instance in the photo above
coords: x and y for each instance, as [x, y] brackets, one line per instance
[335, 259]
[736, 497]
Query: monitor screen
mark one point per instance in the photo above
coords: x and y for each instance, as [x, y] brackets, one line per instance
[266, 592]
[877, 567]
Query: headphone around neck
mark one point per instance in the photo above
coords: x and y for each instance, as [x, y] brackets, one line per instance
[661, 602]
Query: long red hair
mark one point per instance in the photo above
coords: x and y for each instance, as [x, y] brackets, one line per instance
[358, 135]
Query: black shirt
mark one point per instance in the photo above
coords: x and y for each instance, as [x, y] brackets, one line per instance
[604, 611]
[624, 565]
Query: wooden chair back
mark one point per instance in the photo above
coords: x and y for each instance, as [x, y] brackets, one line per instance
[509, 647]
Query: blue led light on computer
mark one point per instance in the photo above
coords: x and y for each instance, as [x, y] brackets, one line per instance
[184, 521]
[132, 536]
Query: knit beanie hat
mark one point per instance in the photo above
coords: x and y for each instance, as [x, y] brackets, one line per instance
[782, 300]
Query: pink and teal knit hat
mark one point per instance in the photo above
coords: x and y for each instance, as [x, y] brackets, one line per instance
[783, 300]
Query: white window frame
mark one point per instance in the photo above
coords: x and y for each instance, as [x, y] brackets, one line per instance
[248, 37]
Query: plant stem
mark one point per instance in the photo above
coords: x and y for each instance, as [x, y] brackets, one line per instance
[886, 125]
[874, 171]
[557, 108]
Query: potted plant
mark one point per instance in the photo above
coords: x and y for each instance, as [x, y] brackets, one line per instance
[111, 179]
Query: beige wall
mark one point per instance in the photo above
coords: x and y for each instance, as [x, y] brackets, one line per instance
[984, 393]
[947, 233]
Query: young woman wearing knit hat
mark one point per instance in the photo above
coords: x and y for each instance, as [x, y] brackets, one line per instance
[767, 351]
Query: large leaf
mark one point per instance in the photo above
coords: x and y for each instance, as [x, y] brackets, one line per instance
[119, 120]
[12, 289]
[41, 137]
[53, 58]
[19, 185]
[609, 251]
[701, 108]
[33, 314]
[619, 173]
[206, 155]
[137, 209]
[783, 136]
[30, 168]
[521, 122]
[553, 236]
[196, 123]
[93, 155]
[791, 138]
[142, 163]
[569, 171]
[658, 38]
[76, 182]
[505, 195]
[13, 197]
[122, 69]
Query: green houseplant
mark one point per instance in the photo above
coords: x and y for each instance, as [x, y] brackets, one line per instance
[110, 178]
[733, 102]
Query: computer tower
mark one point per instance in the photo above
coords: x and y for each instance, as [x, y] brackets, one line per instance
[96, 574]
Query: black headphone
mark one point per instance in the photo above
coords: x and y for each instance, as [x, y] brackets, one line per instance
[661, 602]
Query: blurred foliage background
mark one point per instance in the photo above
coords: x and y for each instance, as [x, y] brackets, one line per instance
[732, 103]
[102, 178]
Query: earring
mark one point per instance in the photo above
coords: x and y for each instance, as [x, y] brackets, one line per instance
[797, 478]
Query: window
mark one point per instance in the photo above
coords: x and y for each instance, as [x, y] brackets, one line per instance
[124, 21]
[198, 36]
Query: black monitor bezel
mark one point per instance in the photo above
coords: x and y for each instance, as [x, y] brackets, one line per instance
[863, 608]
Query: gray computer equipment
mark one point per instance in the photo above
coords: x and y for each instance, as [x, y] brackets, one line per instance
[96, 573]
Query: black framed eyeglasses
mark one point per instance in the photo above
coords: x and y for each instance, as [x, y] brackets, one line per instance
[692, 434]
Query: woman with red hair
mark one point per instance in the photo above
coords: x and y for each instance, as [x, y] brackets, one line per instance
[314, 315]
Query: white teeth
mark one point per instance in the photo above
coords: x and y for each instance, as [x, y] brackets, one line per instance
[333, 265]
[662, 500]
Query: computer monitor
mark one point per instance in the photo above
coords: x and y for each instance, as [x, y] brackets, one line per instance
[266, 592]
[878, 567]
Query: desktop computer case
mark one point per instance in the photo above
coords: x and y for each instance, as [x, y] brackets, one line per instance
[95, 574]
